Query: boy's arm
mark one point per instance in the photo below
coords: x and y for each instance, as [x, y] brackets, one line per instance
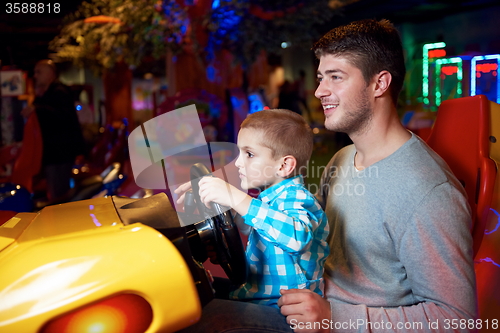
[290, 226]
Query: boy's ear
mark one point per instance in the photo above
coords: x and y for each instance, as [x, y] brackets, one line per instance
[288, 165]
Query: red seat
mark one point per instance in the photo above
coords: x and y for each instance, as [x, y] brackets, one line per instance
[467, 135]
[460, 135]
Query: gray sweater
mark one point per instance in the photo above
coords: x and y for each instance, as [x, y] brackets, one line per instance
[401, 248]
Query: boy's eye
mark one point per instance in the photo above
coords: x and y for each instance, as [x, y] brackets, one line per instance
[249, 154]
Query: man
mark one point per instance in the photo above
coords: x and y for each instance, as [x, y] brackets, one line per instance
[401, 250]
[400, 247]
[61, 132]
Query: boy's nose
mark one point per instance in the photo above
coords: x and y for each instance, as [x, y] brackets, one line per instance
[237, 163]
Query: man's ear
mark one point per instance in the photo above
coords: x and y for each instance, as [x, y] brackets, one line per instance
[288, 165]
[382, 83]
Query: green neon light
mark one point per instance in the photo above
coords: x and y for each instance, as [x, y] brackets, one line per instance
[425, 68]
[439, 64]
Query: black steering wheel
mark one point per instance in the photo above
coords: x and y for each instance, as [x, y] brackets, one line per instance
[225, 235]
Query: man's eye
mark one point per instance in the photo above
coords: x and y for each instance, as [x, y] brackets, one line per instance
[319, 79]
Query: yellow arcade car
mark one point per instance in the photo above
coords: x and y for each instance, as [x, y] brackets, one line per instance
[110, 265]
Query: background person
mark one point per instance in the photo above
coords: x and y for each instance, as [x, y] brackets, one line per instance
[288, 97]
[300, 86]
[61, 132]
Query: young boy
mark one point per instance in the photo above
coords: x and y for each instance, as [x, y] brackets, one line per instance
[288, 229]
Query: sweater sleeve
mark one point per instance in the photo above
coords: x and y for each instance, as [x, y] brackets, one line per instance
[435, 248]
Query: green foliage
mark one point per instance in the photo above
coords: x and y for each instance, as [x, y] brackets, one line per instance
[146, 28]
[151, 27]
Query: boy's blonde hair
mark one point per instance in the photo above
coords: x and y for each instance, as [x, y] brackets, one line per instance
[284, 132]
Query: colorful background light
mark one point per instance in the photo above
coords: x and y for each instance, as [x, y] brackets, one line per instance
[480, 67]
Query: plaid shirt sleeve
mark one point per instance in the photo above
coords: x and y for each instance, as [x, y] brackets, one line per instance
[289, 226]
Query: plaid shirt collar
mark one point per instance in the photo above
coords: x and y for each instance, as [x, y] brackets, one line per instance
[272, 192]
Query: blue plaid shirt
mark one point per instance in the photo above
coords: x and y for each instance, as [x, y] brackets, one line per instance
[287, 245]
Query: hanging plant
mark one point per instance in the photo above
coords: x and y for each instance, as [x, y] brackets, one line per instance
[103, 32]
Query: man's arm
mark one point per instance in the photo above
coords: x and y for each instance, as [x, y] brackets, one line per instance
[436, 252]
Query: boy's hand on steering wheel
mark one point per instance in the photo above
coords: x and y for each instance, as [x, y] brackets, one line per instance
[213, 189]
[181, 191]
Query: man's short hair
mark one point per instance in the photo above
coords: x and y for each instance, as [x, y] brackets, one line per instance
[370, 45]
[284, 132]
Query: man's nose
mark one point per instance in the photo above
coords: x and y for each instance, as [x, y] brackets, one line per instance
[322, 90]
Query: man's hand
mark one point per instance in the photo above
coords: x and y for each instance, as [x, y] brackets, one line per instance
[302, 306]
[213, 189]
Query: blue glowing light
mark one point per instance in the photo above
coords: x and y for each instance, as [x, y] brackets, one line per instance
[215, 4]
[498, 223]
[236, 102]
[256, 103]
[78, 107]
[95, 220]
[227, 19]
[473, 75]
[215, 112]
[210, 73]
[488, 259]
